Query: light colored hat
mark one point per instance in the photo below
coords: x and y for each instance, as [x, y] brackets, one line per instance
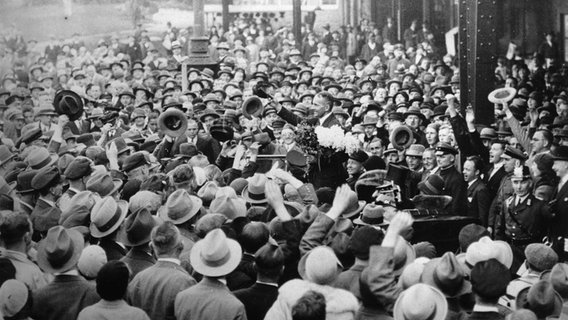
[415, 150]
[13, 297]
[208, 191]
[320, 265]
[40, 158]
[180, 207]
[106, 216]
[227, 202]
[412, 273]
[215, 255]
[447, 275]
[92, 259]
[403, 255]
[254, 191]
[145, 199]
[486, 249]
[420, 301]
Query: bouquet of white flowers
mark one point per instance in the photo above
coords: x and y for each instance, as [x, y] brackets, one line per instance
[335, 138]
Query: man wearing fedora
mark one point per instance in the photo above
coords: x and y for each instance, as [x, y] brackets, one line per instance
[79, 169]
[214, 257]
[204, 143]
[49, 184]
[136, 234]
[68, 293]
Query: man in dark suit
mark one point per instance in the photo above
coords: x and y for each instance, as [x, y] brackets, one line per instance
[478, 198]
[257, 299]
[489, 281]
[323, 102]
[68, 293]
[495, 172]
[454, 185]
[559, 204]
[137, 231]
[204, 143]
[252, 238]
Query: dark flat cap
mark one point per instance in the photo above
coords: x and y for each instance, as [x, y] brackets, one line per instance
[45, 177]
[135, 160]
[78, 168]
[445, 148]
[515, 153]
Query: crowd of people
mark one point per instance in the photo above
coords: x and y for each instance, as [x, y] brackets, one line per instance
[280, 183]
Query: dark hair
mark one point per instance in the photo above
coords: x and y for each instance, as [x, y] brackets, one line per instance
[311, 306]
[253, 236]
[547, 135]
[14, 226]
[477, 162]
[112, 280]
[269, 260]
[328, 97]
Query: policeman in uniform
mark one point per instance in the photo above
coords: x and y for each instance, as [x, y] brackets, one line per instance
[523, 217]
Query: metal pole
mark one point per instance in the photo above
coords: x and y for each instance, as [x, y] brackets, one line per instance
[297, 21]
[198, 18]
[225, 15]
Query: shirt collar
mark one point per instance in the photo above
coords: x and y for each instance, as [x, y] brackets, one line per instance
[268, 283]
[172, 260]
[481, 308]
[469, 184]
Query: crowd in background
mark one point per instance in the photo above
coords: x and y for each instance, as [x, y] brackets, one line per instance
[283, 182]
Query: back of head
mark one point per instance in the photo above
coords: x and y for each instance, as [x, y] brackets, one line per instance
[489, 279]
[311, 306]
[165, 238]
[112, 280]
[269, 259]
[13, 228]
[253, 236]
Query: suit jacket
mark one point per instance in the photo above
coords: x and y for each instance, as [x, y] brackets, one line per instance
[244, 275]
[113, 250]
[494, 182]
[209, 299]
[349, 279]
[154, 290]
[257, 299]
[85, 127]
[478, 201]
[485, 316]
[455, 186]
[63, 298]
[137, 260]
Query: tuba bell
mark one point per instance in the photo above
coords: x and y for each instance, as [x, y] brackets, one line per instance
[173, 122]
[401, 137]
[252, 107]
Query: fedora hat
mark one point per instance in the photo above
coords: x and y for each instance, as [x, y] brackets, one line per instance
[370, 120]
[502, 95]
[208, 112]
[5, 155]
[447, 275]
[106, 216]
[227, 203]
[483, 250]
[415, 150]
[372, 214]
[254, 191]
[559, 279]
[207, 192]
[46, 110]
[354, 207]
[541, 299]
[560, 153]
[40, 158]
[60, 250]
[103, 184]
[252, 106]
[412, 273]
[14, 296]
[215, 255]
[420, 301]
[401, 137]
[180, 207]
[173, 122]
[69, 103]
[137, 228]
[24, 181]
